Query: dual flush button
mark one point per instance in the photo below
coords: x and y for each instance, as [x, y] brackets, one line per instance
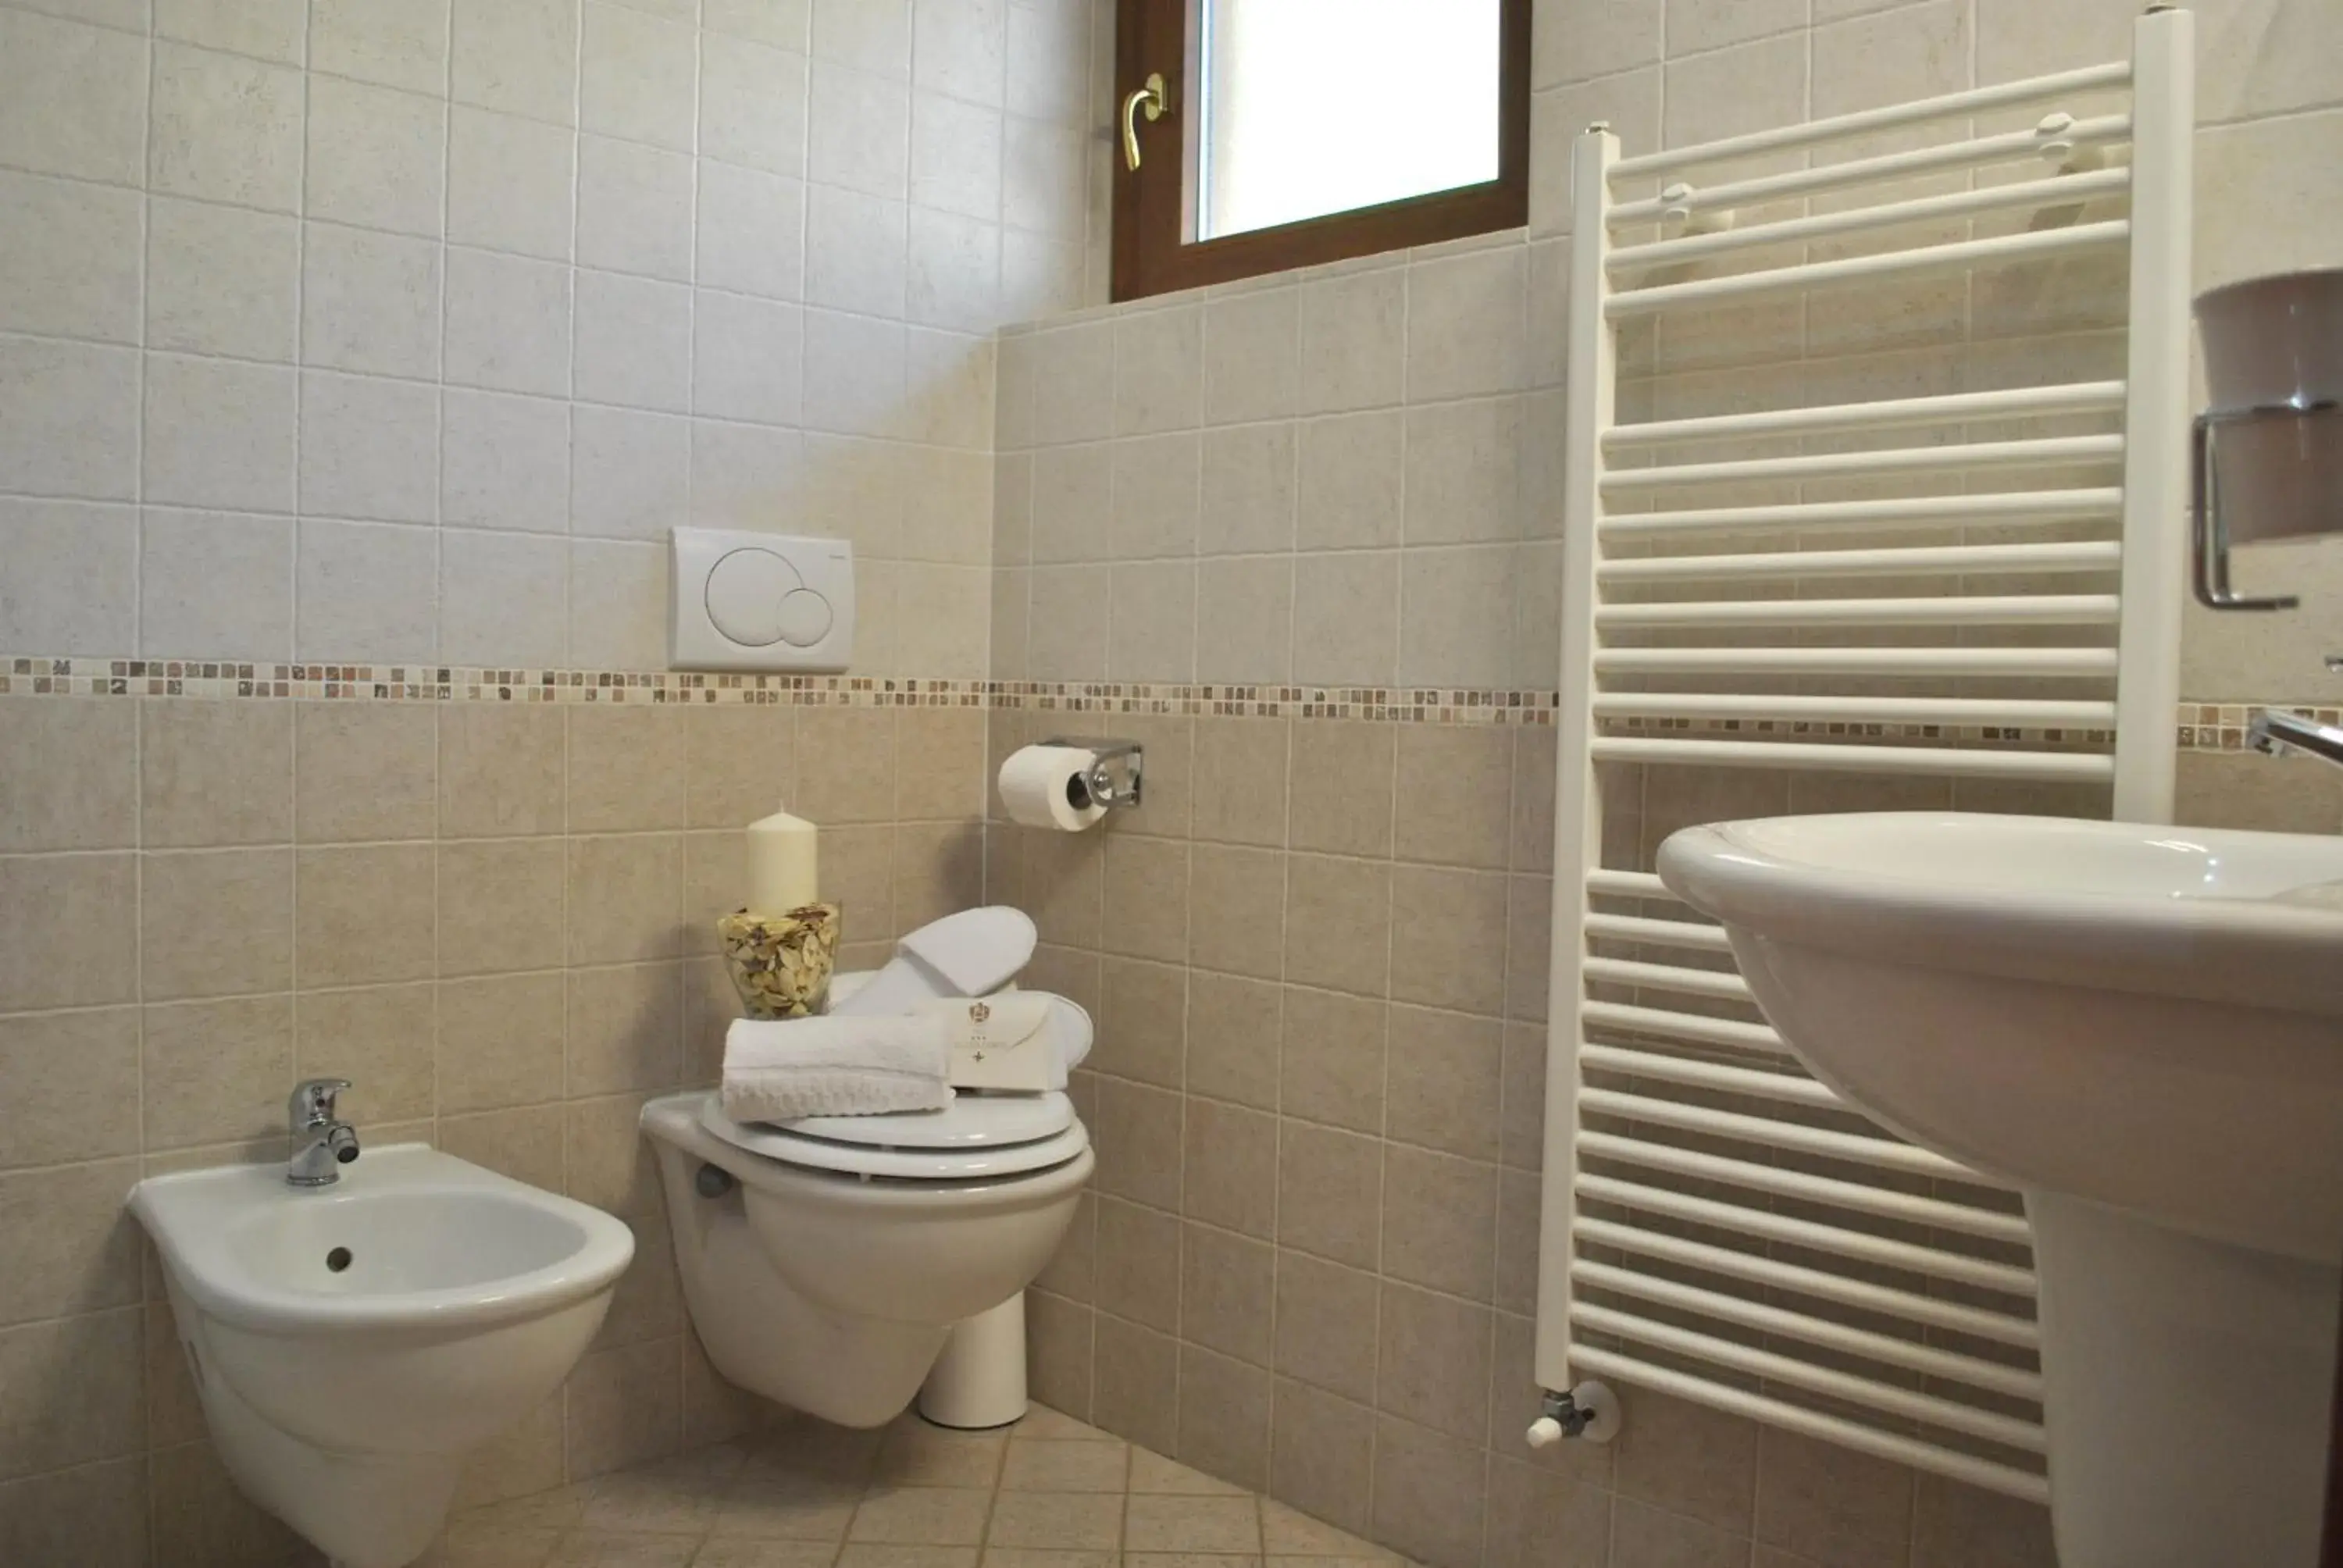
[751, 601]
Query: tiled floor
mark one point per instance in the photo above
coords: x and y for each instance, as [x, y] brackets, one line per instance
[1049, 1492]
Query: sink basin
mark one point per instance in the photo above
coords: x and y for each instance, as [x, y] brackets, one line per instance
[353, 1344]
[2142, 1028]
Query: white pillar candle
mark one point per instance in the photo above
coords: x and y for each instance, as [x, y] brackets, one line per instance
[782, 851]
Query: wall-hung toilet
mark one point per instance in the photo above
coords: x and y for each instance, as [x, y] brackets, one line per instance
[825, 1263]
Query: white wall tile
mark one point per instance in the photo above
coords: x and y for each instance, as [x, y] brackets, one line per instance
[1159, 371]
[69, 258]
[1042, 177]
[1354, 340]
[71, 585]
[1070, 607]
[943, 618]
[1573, 43]
[618, 605]
[629, 473]
[746, 359]
[1456, 617]
[68, 420]
[214, 585]
[855, 251]
[504, 599]
[369, 301]
[861, 133]
[222, 279]
[752, 107]
[1073, 382]
[788, 23]
[73, 98]
[397, 43]
[854, 370]
[1157, 484]
[226, 129]
[517, 56]
[268, 29]
[1039, 276]
[1249, 490]
[872, 35]
[854, 488]
[751, 231]
[369, 448]
[1463, 471]
[505, 462]
[632, 342]
[220, 434]
[961, 47]
[745, 476]
[947, 388]
[508, 322]
[1152, 632]
[1747, 87]
[956, 156]
[1244, 619]
[1073, 504]
[947, 505]
[509, 183]
[1694, 26]
[952, 272]
[634, 208]
[638, 76]
[1252, 357]
[1346, 617]
[377, 157]
[1351, 469]
[1048, 60]
[367, 591]
[1466, 323]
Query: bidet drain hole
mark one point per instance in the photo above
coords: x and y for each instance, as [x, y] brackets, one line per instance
[338, 1259]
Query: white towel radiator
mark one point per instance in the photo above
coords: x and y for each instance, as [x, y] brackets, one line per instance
[1981, 585]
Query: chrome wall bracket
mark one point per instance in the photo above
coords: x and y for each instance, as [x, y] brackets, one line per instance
[1116, 775]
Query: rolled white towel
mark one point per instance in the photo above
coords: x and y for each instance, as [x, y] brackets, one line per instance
[778, 1072]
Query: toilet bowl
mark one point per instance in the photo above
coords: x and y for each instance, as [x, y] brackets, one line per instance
[824, 1264]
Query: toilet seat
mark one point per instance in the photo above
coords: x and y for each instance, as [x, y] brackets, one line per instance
[980, 1137]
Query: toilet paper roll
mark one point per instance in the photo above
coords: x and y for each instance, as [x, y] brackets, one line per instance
[1042, 786]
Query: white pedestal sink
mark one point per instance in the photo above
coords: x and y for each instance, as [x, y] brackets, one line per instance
[2142, 1028]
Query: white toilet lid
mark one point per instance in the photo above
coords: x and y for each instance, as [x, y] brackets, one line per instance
[977, 1137]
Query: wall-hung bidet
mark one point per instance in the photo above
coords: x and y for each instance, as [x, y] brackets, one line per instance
[2142, 1028]
[825, 1261]
[356, 1330]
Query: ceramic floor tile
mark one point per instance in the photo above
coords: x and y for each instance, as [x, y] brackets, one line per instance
[1181, 1523]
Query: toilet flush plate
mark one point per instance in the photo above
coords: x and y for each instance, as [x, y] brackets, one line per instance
[751, 601]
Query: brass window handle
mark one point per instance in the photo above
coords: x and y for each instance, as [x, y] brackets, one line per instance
[1154, 98]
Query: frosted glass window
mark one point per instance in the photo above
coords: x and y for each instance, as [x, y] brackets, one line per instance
[1318, 106]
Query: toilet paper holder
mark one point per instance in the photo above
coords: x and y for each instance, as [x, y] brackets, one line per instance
[1117, 769]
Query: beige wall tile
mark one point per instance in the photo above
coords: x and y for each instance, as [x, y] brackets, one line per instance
[624, 898]
[500, 905]
[216, 1071]
[501, 772]
[1058, 1335]
[215, 922]
[66, 1243]
[1225, 1293]
[845, 765]
[607, 1158]
[1957, 1525]
[1327, 1325]
[365, 770]
[939, 871]
[368, 915]
[1143, 1023]
[1321, 1455]
[625, 769]
[1136, 1134]
[1139, 1269]
[1644, 1537]
[68, 775]
[939, 760]
[1241, 782]
[1829, 1505]
[214, 773]
[1455, 794]
[739, 763]
[1330, 1193]
[1429, 1494]
[1345, 772]
[524, 1144]
[1230, 1168]
[381, 1038]
[1446, 1072]
[1433, 1368]
[66, 1084]
[1444, 927]
[626, 1028]
[1146, 898]
[1237, 917]
[625, 1405]
[1224, 1409]
[93, 1517]
[1233, 1039]
[1690, 1459]
[1338, 923]
[1135, 1377]
[1331, 1064]
[500, 1041]
[75, 1391]
[1440, 1217]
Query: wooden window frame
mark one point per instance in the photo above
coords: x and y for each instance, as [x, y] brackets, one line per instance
[1151, 206]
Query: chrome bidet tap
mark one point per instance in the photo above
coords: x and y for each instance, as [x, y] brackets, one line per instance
[322, 1143]
[2278, 733]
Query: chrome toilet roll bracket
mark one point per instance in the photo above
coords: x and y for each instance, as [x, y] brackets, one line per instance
[1114, 777]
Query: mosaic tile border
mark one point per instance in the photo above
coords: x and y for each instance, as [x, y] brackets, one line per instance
[2201, 727]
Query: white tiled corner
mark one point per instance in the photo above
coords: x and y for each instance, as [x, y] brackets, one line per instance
[746, 475]
[861, 134]
[959, 48]
[956, 156]
[855, 251]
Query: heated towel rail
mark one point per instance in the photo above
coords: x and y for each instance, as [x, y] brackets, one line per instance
[1970, 591]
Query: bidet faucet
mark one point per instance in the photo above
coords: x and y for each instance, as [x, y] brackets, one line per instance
[321, 1141]
[2278, 733]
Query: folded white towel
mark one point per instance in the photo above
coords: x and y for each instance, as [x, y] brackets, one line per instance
[778, 1072]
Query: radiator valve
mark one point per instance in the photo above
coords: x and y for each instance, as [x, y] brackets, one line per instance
[1589, 1410]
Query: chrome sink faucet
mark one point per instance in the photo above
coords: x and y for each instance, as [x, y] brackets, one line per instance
[2278, 733]
[321, 1141]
